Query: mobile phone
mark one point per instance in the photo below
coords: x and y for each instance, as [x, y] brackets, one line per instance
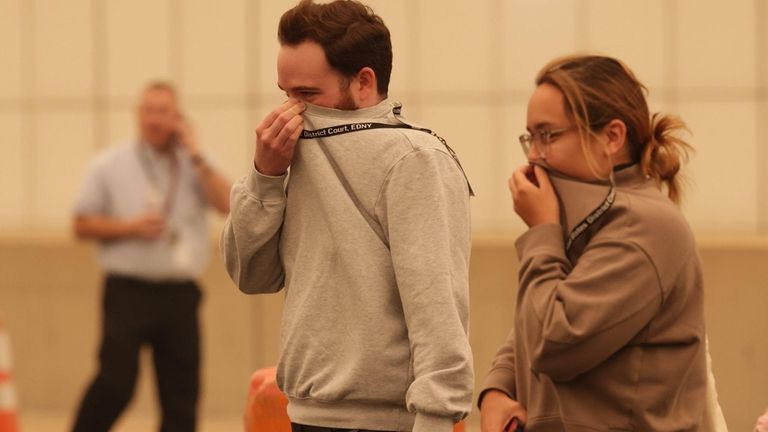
[175, 138]
[514, 425]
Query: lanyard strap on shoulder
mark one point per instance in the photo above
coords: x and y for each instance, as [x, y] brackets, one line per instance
[372, 222]
[596, 214]
[396, 111]
[330, 131]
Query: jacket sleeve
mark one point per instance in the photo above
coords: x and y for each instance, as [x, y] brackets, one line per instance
[502, 374]
[585, 313]
[251, 237]
[424, 209]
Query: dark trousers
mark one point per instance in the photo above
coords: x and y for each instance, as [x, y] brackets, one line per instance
[163, 316]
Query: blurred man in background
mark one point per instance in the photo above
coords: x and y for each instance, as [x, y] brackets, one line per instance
[144, 203]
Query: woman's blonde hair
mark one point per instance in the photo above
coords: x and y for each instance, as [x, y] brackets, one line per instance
[599, 89]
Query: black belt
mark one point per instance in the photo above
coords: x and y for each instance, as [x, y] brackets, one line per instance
[296, 427]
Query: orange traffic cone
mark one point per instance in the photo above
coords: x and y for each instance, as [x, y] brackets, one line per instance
[267, 407]
[8, 422]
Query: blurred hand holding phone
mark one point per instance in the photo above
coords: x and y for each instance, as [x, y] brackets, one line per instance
[184, 136]
[514, 425]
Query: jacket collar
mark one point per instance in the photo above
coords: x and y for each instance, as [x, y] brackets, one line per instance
[582, 203]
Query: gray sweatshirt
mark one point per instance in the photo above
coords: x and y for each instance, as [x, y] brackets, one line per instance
[374, 331]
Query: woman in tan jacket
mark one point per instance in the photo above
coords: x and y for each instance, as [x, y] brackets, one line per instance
[609, 326]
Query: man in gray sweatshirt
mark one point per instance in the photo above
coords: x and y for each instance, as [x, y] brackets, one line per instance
[368, 234]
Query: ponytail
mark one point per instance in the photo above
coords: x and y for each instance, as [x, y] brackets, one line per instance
[665, 153]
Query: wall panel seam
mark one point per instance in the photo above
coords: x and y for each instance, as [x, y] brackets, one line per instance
[100, 119]
[29, 117]
[761, 114]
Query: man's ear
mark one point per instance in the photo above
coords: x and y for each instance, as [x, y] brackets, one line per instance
[615, 133]
[366, 86]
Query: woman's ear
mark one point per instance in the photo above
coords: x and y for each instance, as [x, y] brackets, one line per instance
[615, 133]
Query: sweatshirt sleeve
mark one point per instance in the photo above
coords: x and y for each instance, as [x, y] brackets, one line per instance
[425, 211]
[587, 312]
[250, 240]
[502, 374]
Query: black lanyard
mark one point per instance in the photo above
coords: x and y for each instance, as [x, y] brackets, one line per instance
[349, 128]
[591, 218]
[357, 127]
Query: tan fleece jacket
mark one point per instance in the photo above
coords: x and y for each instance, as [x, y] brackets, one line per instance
[373, 337]
[609, 335]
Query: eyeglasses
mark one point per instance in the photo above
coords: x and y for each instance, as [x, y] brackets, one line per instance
[541, 139]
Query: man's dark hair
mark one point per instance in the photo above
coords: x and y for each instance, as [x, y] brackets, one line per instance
[349, 32]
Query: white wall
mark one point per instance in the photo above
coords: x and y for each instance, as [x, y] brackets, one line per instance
[70, 72]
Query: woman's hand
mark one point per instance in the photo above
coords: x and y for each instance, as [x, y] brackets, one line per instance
[535, 201]
[497, 409]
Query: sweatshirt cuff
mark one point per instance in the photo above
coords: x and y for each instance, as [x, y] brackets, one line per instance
[501, 379]
[430, 423]
[266, 188]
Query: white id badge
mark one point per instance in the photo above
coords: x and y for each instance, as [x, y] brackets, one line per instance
[182, 253]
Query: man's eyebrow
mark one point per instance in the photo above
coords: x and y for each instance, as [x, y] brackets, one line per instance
[298, 88]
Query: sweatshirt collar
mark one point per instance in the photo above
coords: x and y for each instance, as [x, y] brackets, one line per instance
[382, 109]
[581, 200]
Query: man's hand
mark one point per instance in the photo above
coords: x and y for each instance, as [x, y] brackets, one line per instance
[276, 138]
[535, 203]
[497, 409]
[148, 226]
